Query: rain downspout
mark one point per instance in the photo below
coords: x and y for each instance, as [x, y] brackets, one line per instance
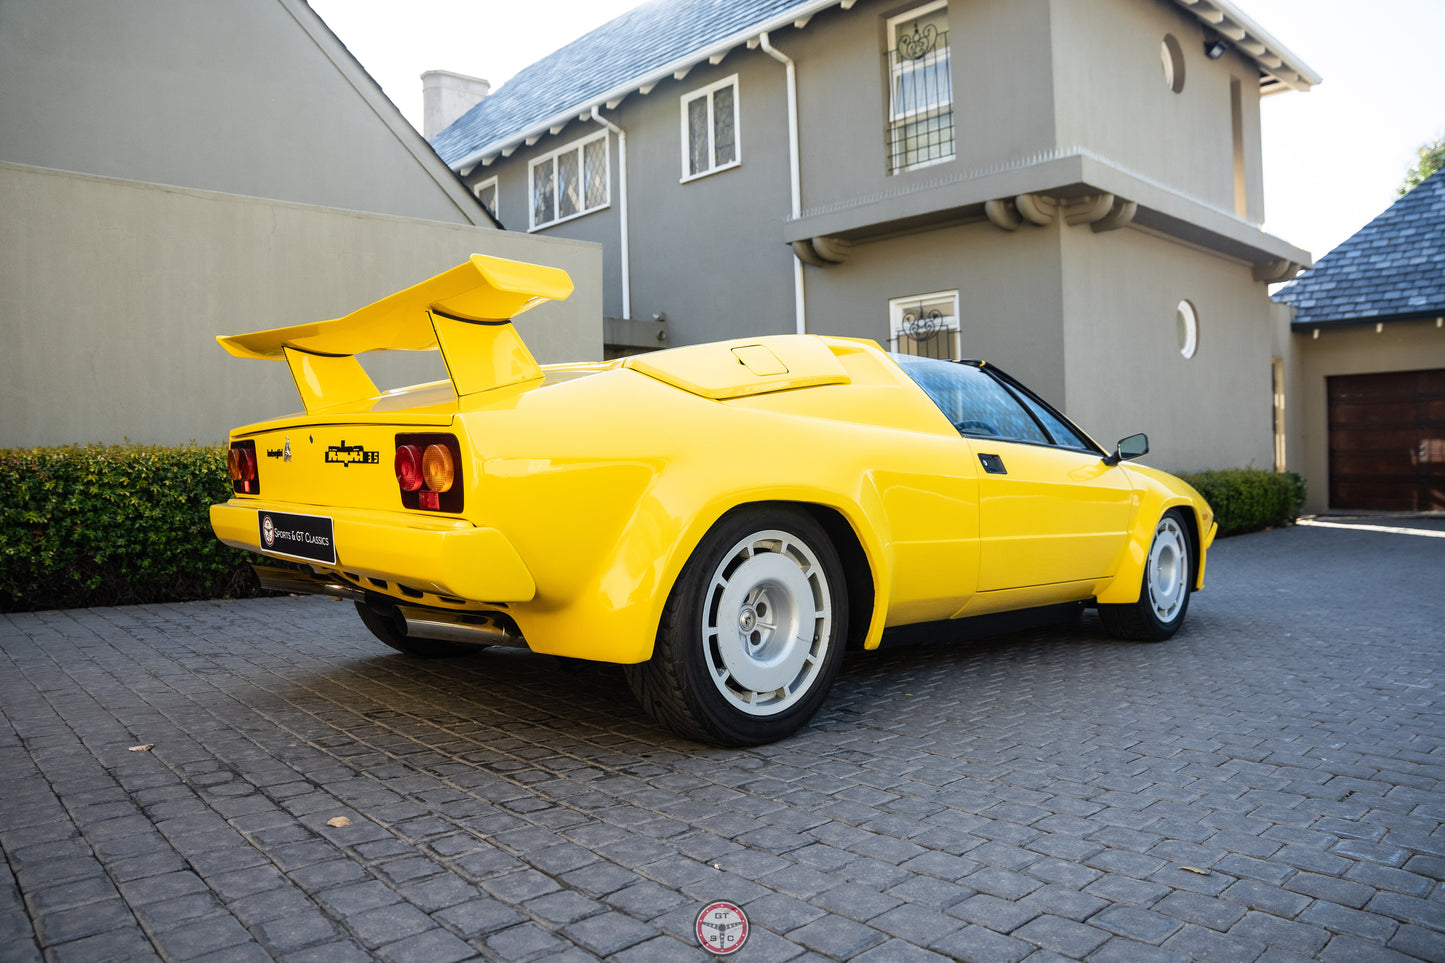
[622, 200]
[799, 298]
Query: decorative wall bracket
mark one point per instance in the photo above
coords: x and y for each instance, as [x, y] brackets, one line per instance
[1040, 209]
[1121, 212]
[1002, 214]
[822, 251]
[1275, 270]
[1102, 212]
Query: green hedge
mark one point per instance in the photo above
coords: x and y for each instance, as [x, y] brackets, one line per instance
[1248, 499]
[114, 525]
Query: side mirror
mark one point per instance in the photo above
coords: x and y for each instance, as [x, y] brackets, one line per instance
[1132, 447]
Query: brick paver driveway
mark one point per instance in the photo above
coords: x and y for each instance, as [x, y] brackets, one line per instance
[1266, 786]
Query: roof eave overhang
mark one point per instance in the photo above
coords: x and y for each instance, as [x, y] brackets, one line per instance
[797, 15]
[1279, 68]
[1435, 314]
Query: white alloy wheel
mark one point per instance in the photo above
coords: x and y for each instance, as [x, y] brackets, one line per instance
[767, 622]
[1167, 576]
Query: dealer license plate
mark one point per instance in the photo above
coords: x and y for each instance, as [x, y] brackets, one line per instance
[307, 537]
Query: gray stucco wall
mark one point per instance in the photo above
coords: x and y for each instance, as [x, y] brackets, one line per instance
[1125, 369]
[254, 98]
[708, 253]
[1010, 312]
[1002, 95]
[1111, 98]
[111, 306]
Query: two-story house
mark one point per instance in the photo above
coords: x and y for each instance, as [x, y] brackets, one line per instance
[1070, 189]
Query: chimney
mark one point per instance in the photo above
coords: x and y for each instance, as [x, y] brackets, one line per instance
[445, 96]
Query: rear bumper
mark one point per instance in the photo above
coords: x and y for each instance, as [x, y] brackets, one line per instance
[444, 556]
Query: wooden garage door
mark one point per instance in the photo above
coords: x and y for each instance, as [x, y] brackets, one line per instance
[1387, 440]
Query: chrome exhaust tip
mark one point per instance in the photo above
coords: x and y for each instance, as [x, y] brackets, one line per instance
[296, 582]
[474, 628]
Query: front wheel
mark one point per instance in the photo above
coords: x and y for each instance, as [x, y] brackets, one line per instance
[1164, 593]
[752, 634]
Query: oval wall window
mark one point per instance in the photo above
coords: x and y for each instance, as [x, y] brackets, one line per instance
[1186, 325]
[1173, 57]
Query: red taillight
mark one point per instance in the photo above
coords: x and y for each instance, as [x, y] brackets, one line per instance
[428, 472]
[241, 466]
[408, 467]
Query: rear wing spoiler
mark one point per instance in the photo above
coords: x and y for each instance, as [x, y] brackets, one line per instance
[466, 312]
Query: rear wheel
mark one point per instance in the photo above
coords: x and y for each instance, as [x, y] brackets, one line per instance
[387, 627]
[753, 632]
[1164, 592]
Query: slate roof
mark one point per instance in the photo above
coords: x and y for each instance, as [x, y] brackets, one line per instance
[1393, 268]
[631, 47]
[649, 42]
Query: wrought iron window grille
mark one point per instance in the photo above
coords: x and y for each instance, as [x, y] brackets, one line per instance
[920, 122]
[926, 332]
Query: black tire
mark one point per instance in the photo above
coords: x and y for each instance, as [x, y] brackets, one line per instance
[1165, 589]
[748, 575]
[385, 627]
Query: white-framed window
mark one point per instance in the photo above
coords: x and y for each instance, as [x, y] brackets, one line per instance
[486, 192]
[920, 88]
[570, 181]
[925, 325]
[1186, 326]
[710, 141]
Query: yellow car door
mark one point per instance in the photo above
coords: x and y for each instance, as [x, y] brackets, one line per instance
[1047, 514]
[1050, 509]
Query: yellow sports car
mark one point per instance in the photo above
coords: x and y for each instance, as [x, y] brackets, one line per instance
[722, 519]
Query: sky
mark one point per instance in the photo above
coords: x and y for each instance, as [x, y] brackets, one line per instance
[1333, 157]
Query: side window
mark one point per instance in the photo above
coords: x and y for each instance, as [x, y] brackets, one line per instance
[569, 182]
[1063, 433]
[974, 402]
[486, 192]
[710, 129]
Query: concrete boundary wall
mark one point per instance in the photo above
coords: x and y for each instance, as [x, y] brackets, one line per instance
[112, 293]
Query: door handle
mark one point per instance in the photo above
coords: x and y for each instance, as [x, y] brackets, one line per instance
[992, 464]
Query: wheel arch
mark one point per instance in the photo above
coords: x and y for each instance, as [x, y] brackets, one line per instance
[1124, 587]
[1194, 532]
[856, 570]
[856, 551]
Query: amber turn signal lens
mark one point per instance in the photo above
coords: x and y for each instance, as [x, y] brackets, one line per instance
[408, 467]
[233, 464]
[437, 468]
